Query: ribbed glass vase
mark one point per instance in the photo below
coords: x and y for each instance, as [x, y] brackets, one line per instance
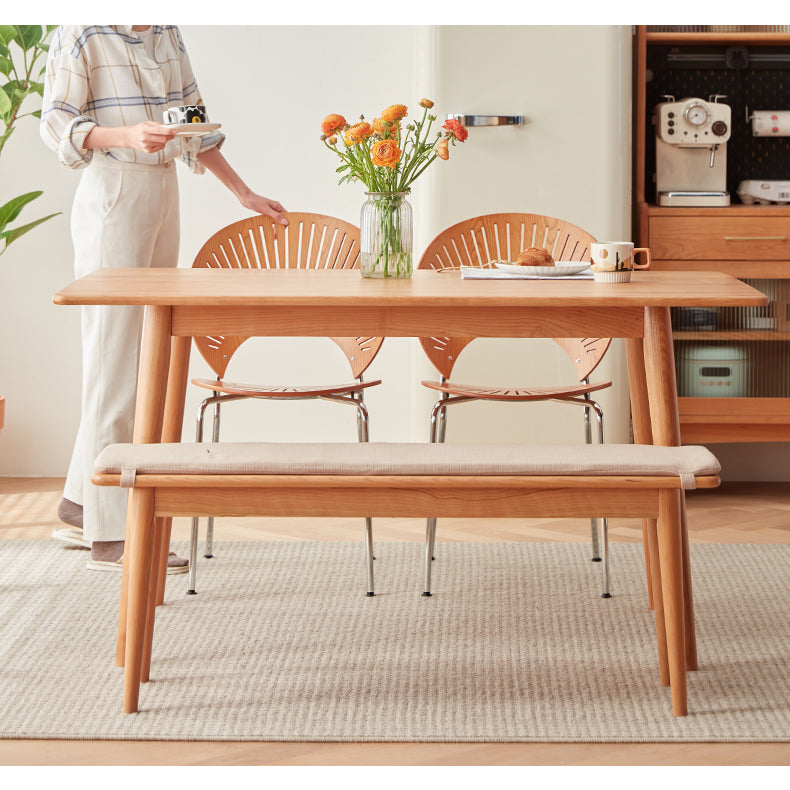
[386, 235]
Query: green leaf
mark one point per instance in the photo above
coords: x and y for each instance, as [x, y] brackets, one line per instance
[37, 87]
[12, 235]
[6, 64]
[10, 211]
[5, 105]
[7, 34]
[28, 35]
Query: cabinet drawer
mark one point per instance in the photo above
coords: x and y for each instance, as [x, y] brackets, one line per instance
[720, 238]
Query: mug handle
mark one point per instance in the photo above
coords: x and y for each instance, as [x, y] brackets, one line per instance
[646, 251]
[166, 117]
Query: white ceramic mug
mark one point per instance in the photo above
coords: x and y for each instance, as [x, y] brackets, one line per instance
[190, 113]
[613, 261]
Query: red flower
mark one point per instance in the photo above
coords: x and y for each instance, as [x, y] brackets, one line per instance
[456, 129]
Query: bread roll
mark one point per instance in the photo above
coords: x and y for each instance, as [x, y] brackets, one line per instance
[534, 256]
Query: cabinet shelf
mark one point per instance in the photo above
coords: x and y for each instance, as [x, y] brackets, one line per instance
[748, 241]
[756, 335]
[690, 39]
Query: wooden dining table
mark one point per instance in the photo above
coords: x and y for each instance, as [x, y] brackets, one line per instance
[183, 303]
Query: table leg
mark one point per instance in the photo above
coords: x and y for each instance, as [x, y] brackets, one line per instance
[640, 418]
[665, 424]
[671, 560]
[151, 393]
[172, 426]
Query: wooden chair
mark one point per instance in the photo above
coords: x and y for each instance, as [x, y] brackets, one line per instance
[310, 241]
[477, 242]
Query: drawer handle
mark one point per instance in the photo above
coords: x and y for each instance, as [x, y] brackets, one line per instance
[755, 238]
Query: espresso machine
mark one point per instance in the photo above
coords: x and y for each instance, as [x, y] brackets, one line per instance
[691, 151]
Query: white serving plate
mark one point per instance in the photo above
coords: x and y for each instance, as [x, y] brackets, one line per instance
[192, 129]
[560, 269]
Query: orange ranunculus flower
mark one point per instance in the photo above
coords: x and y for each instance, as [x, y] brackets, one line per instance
[385, 153]
[441, 150]
[333, 123]
[358, 132]
[385, 129]
[394, 112]
[456, 129]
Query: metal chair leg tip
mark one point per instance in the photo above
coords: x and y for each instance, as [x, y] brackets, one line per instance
[596, 559]
[209, 556]
[370, 594]
[427, 594]
[606, 595]
[191, 592]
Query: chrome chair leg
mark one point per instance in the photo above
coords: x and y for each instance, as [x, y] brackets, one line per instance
[604, 523]
[208, 552]
[193, 541]
[596, 550]
[430, 536]
[364, 436]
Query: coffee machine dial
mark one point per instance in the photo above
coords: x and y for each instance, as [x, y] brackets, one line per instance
[697, 114]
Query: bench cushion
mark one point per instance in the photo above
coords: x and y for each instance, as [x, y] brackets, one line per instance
[405, 458]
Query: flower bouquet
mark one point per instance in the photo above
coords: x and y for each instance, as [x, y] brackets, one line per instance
[387, 158]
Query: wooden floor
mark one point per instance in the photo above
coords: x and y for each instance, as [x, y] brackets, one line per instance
[734, 513]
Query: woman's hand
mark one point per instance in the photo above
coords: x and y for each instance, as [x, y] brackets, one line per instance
[147, 136]
[265, 206]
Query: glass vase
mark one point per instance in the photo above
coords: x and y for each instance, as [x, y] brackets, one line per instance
[386, 235]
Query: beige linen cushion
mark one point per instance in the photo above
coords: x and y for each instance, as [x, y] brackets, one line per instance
[405, 458]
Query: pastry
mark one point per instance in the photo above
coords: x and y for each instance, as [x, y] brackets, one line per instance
[534, 256]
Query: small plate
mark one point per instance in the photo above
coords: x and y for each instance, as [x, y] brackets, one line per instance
[192, 129]
[560, 269]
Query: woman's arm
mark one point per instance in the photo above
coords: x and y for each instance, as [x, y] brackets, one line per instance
[218, 165]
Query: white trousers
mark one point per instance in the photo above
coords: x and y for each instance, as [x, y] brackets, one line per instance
[124, 215]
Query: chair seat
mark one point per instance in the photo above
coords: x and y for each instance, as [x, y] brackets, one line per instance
[504, 393]
[280, 391]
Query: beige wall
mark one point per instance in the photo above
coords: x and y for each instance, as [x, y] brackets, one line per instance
[270, 87]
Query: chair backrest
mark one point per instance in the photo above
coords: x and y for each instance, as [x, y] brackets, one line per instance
[310, 241]
[477, 241]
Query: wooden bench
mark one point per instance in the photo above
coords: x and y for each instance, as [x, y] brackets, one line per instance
[401, 480]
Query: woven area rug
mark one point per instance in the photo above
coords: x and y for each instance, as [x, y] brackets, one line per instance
[282, 644]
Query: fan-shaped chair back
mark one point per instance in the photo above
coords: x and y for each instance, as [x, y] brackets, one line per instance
[480, 240]
[310, 241]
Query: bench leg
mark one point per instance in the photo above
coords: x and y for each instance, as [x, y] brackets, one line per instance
[688, 598]
[671, 559]
[161, 544]
[138, 554]
[654, 573]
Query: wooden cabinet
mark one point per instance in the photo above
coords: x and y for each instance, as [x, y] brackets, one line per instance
[733, 365]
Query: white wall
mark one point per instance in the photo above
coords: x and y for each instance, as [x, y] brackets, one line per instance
[270, 87]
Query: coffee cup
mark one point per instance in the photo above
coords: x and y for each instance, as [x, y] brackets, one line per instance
[613, 261]
[190, 113]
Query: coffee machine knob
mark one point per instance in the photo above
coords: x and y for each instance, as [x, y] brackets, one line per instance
[719, 128]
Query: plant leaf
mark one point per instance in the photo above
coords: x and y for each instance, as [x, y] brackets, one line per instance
[28, 35]
[5, 105]
[10, 211]
[12, 235]
[7, 34]
[6, 64]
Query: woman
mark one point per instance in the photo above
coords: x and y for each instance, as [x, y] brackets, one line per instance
[106, 88]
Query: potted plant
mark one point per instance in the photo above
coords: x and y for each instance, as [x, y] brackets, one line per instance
[23, 50]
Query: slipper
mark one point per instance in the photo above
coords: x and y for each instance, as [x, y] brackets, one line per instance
[72, 536]
[106, 565]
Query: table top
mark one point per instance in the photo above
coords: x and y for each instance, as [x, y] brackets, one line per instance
[426, 289]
